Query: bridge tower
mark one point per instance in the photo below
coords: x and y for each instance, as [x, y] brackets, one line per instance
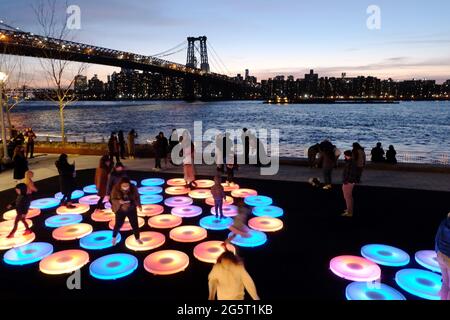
[191, 60]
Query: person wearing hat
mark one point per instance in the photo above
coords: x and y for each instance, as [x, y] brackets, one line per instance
[349, 179]
[442, 246]
[21, 204]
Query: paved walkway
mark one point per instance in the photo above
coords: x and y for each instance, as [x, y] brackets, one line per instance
[43, 167]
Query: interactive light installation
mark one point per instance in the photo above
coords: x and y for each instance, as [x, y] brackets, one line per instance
[151, 240]
[213, 223]
[166, 262]
[385, 255]
[178, 201]
[242, 193]
[164, 221]
[63, 262]
[187, 212]
[428, 259]
[98, 240]
[177, 191]
[230, 186]
[421, 283]
[104, 215]
[72, 232]
[268, 211]
[368, 291]
[355, 268]
[176, 182]
[113, 266]
[204, 183]
[11, 214]
[151, 198]
[210, 201]
[63, 220]
[45, 203]
[152, 182]
[89, 199]
[126, 226]
[188, 233]
[150, 190]
[7, 226]
[27, 254]
[17, 241]
[77, 194]
[150, 210]
[209, 251]
[265, 224]
[200, 193]
[254, 239]
[90, 189]
[79, 208]
[228, 210]
[256, 201]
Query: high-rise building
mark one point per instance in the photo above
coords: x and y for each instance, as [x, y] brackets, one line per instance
[80, 84]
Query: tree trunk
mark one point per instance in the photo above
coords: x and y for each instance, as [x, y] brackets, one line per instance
[8, 117]
[61, 119]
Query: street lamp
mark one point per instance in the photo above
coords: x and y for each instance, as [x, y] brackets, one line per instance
[3, 77]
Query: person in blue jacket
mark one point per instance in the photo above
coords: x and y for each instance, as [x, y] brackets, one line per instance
[443, 256]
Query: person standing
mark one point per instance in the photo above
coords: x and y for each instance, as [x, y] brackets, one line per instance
[117, 173]
[20, 163]
[218, 194]
[132, 136]
[349, 179]
[188, 161]
[66, 179]
[113, 147]
[442, 247]
[161, 147]
[377, 154]
[359, 157]
[391, 155]
[30, 137]
[121, 139]
[101, 179]
[239, 226]
[22, 204]
[328, 160]
[173, 141]
[31, 188]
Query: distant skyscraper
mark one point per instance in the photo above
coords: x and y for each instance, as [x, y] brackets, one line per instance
[80, 84]
[247, 74]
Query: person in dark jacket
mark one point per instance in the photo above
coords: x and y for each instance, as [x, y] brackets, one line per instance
[20, 163]
[391, 155]
[113, 147]
[377, 153]
[101, 179]
[132, 136]
[349, 179]
[117, 173]
[328, 161]
[125, 202]
[122, 143]
[66, 179]
[359, 157]
[442, 246]
[30, 137]
[161, 146]
[22, 204]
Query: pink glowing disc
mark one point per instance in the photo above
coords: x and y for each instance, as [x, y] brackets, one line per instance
[18, 240]
[178, 201]
[164, 221]
[228, 201]
[176, 182]
[7, 226]
[126, 226]
[11, 214]
[209, 251]
[150, 210]
[200, 193]
[228, 210]
[72, 232]
[187, 212]
[80, 208]
[62, 262]
[230, 187]
[355, 268]
[204, 183]
[166, 262]
[177, 190]
[265, 224]
[242, 193]
[188, 234]
[151, 240]
[104, 215]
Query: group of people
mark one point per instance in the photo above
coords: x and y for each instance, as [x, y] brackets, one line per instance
[20, 147]
[118, 148]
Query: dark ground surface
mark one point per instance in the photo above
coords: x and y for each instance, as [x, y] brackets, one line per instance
[292, 265]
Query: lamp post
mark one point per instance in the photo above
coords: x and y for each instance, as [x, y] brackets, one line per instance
[3, 77]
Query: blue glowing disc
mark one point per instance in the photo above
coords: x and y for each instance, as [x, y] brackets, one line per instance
[63, 220]
[372, 291]
[268, 211]
[213, 223]
[421, 283]
[29, 253]
[98, 240]
[385, 255]
[428, 259]
[256, 238]
[77, 194]
[152, 182]
[258, 201]
[133, 182]
[151, 198]
[90, 189]
[113, 266]
[150, 190]
[45, 203]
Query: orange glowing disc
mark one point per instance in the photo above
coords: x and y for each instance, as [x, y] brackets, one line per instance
[72, 232]
[176, 182]
[265, 224]
[204, 183]
[151, 240]
[200, 194]
[11, 214]
[104, 215]
[80, 208]
[178, 190]
[230, 187]
[150, 210]
[242, 193]
[17, 241]
[66, 261]
[188, 234]
[7, 226]
[228, 201]
[209, 251]
[126, 226]
[165, 221]
[166, 262]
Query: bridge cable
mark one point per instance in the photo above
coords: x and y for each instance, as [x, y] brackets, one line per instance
[171, 49]
[217, 55]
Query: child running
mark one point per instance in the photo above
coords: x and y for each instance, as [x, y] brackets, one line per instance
[239, 226]
[22, 204]
[218, 194]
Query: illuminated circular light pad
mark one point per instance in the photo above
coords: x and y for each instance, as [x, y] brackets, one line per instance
[178, 201]
[11, 214]
[63, 220]
[45, 203]
[428, 259]
[229, 201]
[188, 234]
[213, 223]
[242, 193]
[7, 226]
[151, 198]
[268, 211]
[77, 194]
[231, 187]
[187, 212]
[126, 225]
[104, 215]
[113, 266]
[166, 262]
[385, 255]
[150, 210]
[255, 239]
[63, 262]
[164, 221]
[257, 201]
[204, 183]
[17, 241]
[176, 182]
[72, 232]
[98, 240]
[89, 200]
[151, 240]
[200, 193]
[421, 283]
[150, 190]
[355, 268]
[210, 251]
[228, 210]
[152, 182]
[90, 189]
[80, 208]
[178, 190]
[376, 291]
[265, 224]
[29, 253]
